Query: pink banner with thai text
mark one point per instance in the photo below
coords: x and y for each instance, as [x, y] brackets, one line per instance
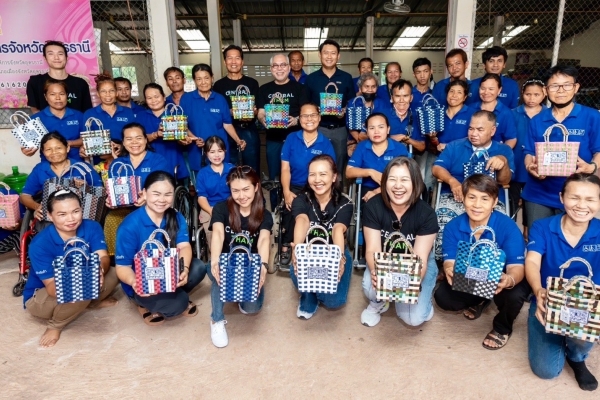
[25, 25]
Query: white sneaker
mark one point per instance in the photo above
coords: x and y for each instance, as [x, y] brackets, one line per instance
[218, 334]
[304, 314]
[372, 314]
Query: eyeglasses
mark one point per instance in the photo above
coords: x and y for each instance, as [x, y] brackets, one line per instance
[278, 66]
[567, 87]
[309, 116]
[324, 215]
[239, 170]
[397, 225]
[244, 168]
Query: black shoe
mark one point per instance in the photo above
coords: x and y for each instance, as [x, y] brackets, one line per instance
[584, 377]
[285, 257]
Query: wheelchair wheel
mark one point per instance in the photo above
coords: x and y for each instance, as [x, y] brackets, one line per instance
[183, 205]
[17, 290]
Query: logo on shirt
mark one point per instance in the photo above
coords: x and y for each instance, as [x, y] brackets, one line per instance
[122, 119]
[284, 95]
[146, 170]
[315, 151]
[71, 96]
[461, 122]
[215, 110]
[386, 235]
[388, 158]
[576, 132]
[502, 94]
[591, 247]
[70, 123]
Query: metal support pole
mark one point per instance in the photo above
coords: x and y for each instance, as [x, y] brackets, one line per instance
[173, 29]
[214, 33]
[237, 32]
[370, 29]
[559, 23]
[498, 30]
[105, 48]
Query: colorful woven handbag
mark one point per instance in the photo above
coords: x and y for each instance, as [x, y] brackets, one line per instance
[29, 133]
[331, 103]
[431, 116]
[573, 305]
[556, 158]
[446, 211]
[174, 123]
[277, 115]
[475, 166]
[242, 103]
[317, 264]
[356, 115]
[96, 142]
[122, 190]
[10, 214]
[156, 269]
[478, 265]
[398, 274]
[239, 272]
[76, 273]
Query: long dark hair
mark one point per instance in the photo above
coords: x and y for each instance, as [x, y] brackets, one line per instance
[336, 192]
[257, 208]
[172, 225]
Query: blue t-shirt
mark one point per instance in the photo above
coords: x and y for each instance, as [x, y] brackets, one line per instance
[439, 92]
[315, 85]
[303, 76]
[69, 126]
[583, 124]
[509, 96]
[205, 119]
[506, 128]
[459, 152]
[522, 120]
[47, 245]
[151, 162]
[115, 124]
[169, 149]
[43, 171]
[507, 234]
[364, 157]
[456, 127]
[399, 127]
[546, 238]
[135, 229]
[212, 185]
[296, 153]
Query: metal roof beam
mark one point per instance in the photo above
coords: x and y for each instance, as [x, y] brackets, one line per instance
[123, 31]
[235, 15]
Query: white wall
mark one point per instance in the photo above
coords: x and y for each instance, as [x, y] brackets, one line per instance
[10, 154]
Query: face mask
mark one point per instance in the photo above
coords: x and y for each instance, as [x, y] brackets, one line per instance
[562, 105]
[369, 96]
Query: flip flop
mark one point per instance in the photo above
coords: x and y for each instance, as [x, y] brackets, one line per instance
[476, 310]
[497, 338]
[191, 311]
[151, 319]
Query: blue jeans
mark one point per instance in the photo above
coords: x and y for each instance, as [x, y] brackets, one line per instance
[250, 307]
[251, 154]
[310, 301]
[547, 351]
[274, 165]
[411, 314]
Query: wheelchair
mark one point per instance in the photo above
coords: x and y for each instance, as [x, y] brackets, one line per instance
[355, 233]
[186, 202]
[26, 235]
[270, 185]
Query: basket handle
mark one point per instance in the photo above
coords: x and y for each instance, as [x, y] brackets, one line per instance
[83, 168]
[76, 250]
[168, 109]
[91, 120]
[567, 264]
[482, 228]
[334, 85]
[427, 98]
[74, 240]
[153, 241]
[122, 165]
[320, 228]
[559, 126]
[389, 239]
[19, 114]
[238, 90]
[277, 96]
[579, 278]
[401, 239]
[315, 240]
[356, 98]
[5, 186]
[484, 242]
[176, 110]
[165, 234]
[236, 235]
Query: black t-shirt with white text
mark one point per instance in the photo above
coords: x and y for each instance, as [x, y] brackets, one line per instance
[293, 94]
[220, 213]
[342, 213]
[78, 92]
[227, 87]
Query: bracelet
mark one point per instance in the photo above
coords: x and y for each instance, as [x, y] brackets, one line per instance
[513, 281]
[595, 167]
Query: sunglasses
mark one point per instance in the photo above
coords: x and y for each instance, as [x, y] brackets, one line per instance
[397, 225]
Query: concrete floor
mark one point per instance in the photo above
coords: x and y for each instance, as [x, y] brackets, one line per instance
[111, 353]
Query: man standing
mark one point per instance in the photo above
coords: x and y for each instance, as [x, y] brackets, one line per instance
[78, 96]
[246, 129]
[365, 65]
[175, 79]
[494, 59]
[124, 96]
[293, 94]
[331, 126]
[422, 72]
[457, 64]
[296, 63]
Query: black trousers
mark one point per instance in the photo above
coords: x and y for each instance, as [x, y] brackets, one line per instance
[287, 219]
[509, 303]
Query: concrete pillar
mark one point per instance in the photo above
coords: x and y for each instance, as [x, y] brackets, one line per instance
[214, 33]
[162, 41]
[370, 28]
[237, 32]
[105, 48]
[498, 30]
[174, 37]
[461, 27]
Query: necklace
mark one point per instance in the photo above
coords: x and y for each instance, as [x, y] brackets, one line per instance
[309, 142]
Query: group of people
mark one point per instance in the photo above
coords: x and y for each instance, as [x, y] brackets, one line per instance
[312, 157]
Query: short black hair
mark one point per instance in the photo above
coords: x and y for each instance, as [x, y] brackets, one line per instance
[401, 83]
[419, 62]
[329, 42]
[366, 59]
[233, 47]
[291, 53]
[458, 82]
[567, 70]
[54, 43]
[490, 116]
[173, 69]
[580, 177]
[457, 52]
[482, 183]
[491, 76]
[121, 79]
[377, 114]
[396, 63]
[495, 51]
[53, 135]
[201, 67]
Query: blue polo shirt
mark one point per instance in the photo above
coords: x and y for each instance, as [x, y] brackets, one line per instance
[212, 185]
[151, 162]
[384, 95]
[417, 100]
[398, 127]
[439, 92]
[115, 124]
[583, 124]
[456, 127]
[364, 157]
[69, 126]
[506, 127]
[522, 120]
[205, 119]
[459, 152]
[315, 85]
[355, 80]
[546, 238]
[169, 149]
[47, 245]
[136, 108]
[510, 94]
[302, 79]
[43, 171]
[507, 234]
[299, 156]
[135, 229]
[169, 99]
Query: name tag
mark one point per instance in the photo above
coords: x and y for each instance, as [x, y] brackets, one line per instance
[154, 273]
[569, 315]
[277, 116]
[397, 280]
[2, 213]
[94, 141]
[555, 157]
[121, 189]
[332, 103]
[317, 273]
[242, 105]
[171, 126]
[30, 135]
[477, 274]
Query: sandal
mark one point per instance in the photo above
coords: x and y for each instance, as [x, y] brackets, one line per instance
[151, 319]
[191, 311]
[285, 257]
[497, 338]
[476, 310]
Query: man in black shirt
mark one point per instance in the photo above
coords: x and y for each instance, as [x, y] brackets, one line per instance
[331, 126]
[78, 95]
[246, 129]
[293, 94]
